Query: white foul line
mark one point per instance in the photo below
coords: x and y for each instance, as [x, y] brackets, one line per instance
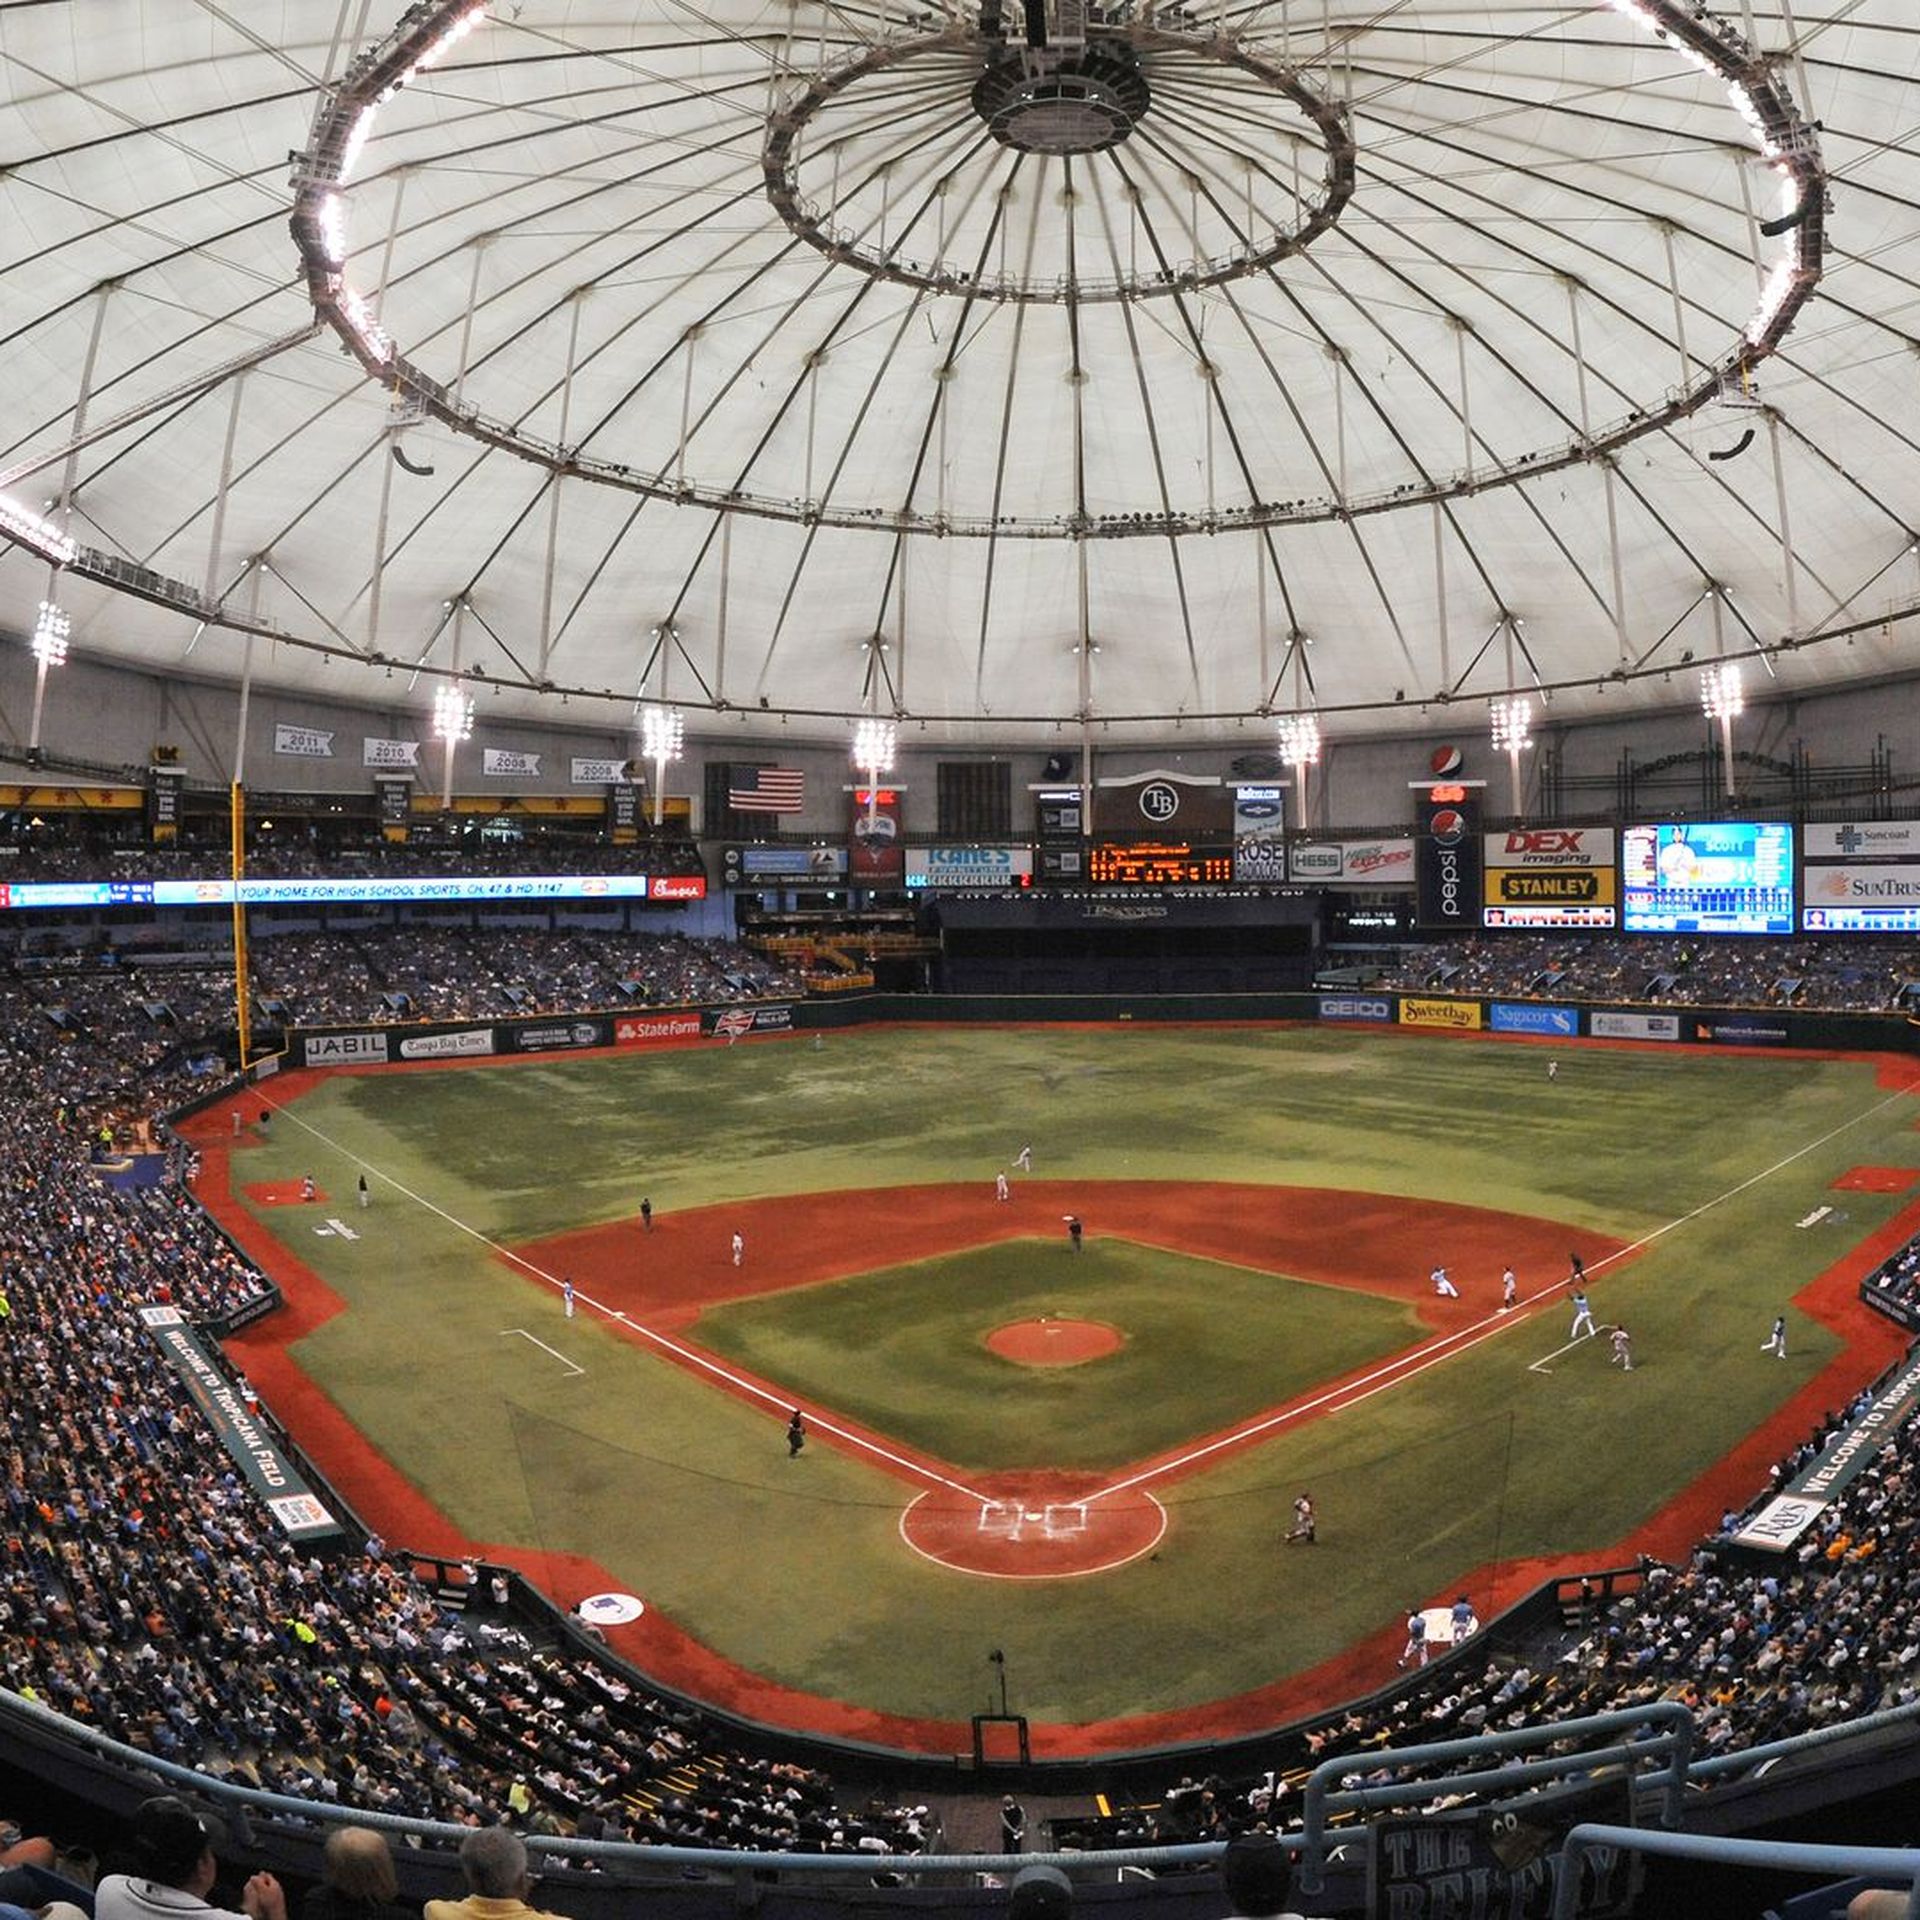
[1409, 1366]
[687, 1356]
[1540, 1365]
[544, 1348]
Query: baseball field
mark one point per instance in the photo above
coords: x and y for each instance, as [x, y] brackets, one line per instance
[1083, 1459]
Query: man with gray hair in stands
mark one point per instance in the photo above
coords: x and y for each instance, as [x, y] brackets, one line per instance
[494, 1861]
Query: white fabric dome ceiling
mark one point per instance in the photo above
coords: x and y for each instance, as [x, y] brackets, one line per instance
[1254, 357]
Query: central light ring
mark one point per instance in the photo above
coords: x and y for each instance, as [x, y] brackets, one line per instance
[1087, 103]
[1082, 105]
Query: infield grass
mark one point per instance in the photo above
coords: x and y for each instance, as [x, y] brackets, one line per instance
[797, 1570]
[904, 1351]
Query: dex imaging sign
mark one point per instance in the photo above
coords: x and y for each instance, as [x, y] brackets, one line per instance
[1549, 877]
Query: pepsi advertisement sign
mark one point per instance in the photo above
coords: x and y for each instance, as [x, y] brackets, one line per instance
[1447, 857]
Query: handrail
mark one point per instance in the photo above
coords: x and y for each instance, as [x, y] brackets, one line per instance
[629, 1854]
[1781, 1856]
[1320, 1798]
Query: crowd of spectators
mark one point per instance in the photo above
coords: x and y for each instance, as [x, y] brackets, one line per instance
[1853, 976]
[1895, 1283]
[1757, 1647]
[145, 1591]
[137, 1010]
[425, 972]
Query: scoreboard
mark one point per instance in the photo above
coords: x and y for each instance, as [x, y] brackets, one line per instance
[1159, 863]
[1715, 876]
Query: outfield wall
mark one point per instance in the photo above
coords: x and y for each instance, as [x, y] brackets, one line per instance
[1764, 1027]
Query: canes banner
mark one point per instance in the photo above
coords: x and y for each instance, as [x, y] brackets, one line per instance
[1447, 857]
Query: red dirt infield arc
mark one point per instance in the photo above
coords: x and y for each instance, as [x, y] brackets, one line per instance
[285, 1193]
[1876, 1180]
[1054, 1342]
[1035, 1526]
[685, 1264]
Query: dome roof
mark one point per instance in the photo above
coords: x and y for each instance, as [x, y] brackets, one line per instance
[996, 366]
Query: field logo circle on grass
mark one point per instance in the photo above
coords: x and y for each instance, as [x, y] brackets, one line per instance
[610, 1609]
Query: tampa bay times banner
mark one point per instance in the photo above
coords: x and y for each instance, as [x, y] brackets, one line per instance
[1447, 865]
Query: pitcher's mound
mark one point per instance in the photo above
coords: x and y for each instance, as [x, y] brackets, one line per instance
[1054, 1342]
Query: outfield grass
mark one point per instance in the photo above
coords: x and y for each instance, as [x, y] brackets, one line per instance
[797, 1569]
[904, 1351]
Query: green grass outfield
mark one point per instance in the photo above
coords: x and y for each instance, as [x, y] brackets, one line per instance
[797, 1570]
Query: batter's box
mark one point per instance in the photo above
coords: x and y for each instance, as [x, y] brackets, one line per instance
[1014, 1520]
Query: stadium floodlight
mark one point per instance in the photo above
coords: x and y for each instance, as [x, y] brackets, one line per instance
[1300, 740]
[1512, 724]
[663, 734]
[452, 723]
[874, 742]
[1723, 697]
[1722, 693]
[49, 646]
[1300, 749]
[452, 716]
[50, 633]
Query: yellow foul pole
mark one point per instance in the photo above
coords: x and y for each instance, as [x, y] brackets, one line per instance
[242, 995]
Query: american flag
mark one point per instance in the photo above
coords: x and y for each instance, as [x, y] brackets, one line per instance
[766, 789]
